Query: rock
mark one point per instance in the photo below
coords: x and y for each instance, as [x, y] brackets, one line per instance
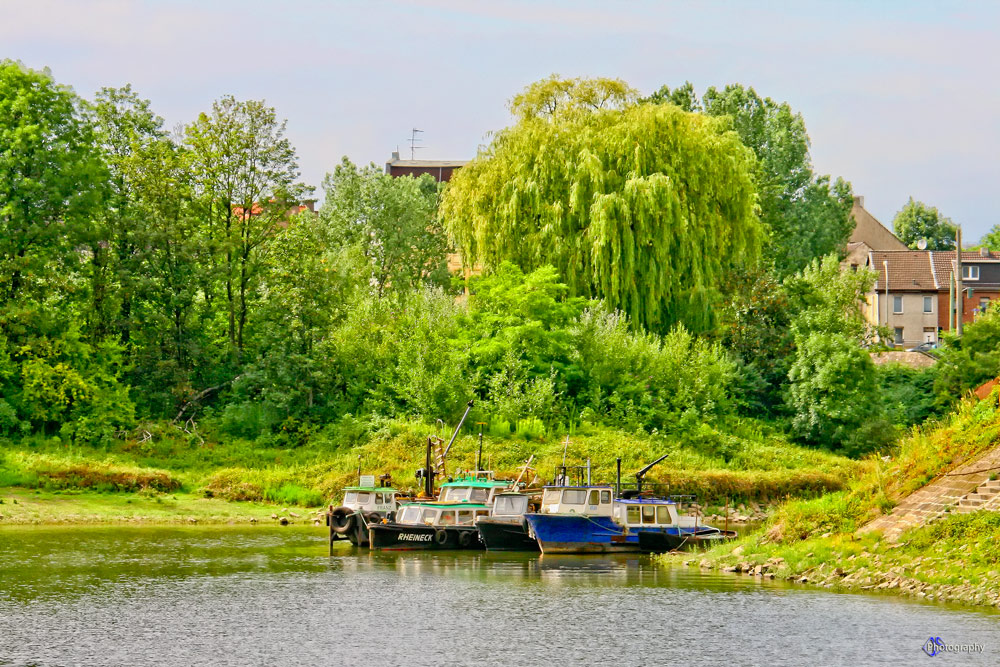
[293, 514]
[316, 522]
[757, 571]
[192, 520]
[284, 509]
[274, 516]
[745, 567]
[731, 568]
[283, 521]
[253, 519]
[705, 564]
[839, 571]
[738, 551]
[803, 580]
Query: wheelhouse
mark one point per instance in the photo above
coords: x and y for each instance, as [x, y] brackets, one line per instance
[589, 500]
[380, 499]
[510, 505]
[646, 513]
[472, 490]
[419, 514]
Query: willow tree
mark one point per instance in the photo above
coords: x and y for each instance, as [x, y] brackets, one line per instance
[645, 206]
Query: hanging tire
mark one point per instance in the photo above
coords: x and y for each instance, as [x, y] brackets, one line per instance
[373, 518]
[465, 538]
[441, 536]
[343, 520]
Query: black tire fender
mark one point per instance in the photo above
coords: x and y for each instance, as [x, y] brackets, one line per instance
[343, 520]
[441, 536]
[465, 538]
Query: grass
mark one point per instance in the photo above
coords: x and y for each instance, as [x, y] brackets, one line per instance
[816, 540]
[742, 460]
[20, 506]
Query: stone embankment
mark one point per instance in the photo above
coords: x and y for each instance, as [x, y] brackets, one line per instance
[972, 486]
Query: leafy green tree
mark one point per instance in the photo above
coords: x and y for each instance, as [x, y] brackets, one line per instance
[992, 239]
[644, 206]
[50, 184]
[808, 215]
[245, 172]
[967, 362]
[392, 220]
[124, 126]
[917, 221]
[833, 395]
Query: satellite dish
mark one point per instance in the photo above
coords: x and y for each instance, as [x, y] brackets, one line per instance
[922, 244]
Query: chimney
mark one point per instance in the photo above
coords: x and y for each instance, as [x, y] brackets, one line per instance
[395, 155]
[984, 252]
[859, 200]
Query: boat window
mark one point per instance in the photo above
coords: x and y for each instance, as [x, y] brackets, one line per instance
[350, 497]
[508, 505]
[479, 495]
[574, 496]
[410, 515]
[551, 497]
[447, 518]
[452, 494]
[482, 513]
[632, 514]
[648, 514]
[594, 497]
[464, 517]
[364, 498]
[429, 516]
[663, 514]
[378, 499]
[605, 497]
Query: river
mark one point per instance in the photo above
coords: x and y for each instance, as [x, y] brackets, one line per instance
[272, 596]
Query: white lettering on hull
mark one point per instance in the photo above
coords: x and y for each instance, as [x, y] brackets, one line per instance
[415, 537]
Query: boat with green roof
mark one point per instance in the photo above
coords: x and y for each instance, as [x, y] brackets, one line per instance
[446, 523]
[362, 506]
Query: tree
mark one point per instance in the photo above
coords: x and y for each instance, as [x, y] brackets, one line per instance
[644, 206]
[245, 171]
[808, 216]
[971, 360]
[992, 239]
[392, 220]
[917, 221]
[50, 183]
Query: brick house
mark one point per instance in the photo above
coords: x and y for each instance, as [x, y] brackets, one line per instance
[912, 295]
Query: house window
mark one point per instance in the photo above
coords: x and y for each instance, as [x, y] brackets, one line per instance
[970, 272]
[984, 304]
[897, 305]
[899, 336]
[928, 304]
[854, 268]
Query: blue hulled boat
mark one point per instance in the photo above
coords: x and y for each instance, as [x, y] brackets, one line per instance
[581, 520]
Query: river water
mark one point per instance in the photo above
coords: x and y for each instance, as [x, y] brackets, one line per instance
[272, 596]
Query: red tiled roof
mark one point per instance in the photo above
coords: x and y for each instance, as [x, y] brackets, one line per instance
[909, 270]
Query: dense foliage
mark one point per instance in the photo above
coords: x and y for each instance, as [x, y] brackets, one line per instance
[155, 280]
[644, 206]
[807, 215]
[917, 222]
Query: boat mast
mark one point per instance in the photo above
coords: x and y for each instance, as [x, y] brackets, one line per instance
[642, 473]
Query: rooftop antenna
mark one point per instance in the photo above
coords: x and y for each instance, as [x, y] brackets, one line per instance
[414, 139]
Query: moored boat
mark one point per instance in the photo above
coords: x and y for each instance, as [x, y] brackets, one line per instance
[506, 528]
[363, 505]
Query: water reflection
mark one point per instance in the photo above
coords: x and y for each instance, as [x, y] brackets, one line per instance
[237, 596]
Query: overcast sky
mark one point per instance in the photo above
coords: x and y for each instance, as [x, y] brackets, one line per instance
[900, 98]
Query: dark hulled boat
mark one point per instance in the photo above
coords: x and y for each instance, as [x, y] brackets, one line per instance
[506, 528]
[430, 525]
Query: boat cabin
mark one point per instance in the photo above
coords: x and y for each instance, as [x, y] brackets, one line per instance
[471, 490]
[638, 513]
[427, 514]
[589, 500]
[381, 499]
[510, 504]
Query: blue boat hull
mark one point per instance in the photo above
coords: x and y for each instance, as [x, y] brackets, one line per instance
[578, 534]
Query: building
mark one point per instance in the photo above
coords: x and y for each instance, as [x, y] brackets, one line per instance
[869, 234]
[441, 170]
[913, 293]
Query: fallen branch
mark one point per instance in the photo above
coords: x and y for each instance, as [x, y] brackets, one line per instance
[200, 395]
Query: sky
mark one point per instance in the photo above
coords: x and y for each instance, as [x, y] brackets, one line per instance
[899, 98]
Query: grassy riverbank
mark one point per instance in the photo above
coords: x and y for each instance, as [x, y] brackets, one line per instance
[817, 540]
[170, 473]
[22, 507]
